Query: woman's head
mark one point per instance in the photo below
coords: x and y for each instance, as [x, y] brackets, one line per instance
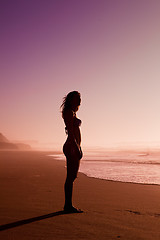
[71, 101]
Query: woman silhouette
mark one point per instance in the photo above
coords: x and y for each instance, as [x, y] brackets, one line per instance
[71, 148]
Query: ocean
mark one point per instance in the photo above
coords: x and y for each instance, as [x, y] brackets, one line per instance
[124, 166]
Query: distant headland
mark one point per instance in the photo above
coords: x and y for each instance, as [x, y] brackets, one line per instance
[5, 144]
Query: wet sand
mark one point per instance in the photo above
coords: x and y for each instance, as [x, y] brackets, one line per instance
[32, 197]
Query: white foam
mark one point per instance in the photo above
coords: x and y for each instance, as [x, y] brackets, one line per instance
[126, 167]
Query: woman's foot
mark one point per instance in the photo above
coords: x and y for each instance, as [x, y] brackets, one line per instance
[72, 209]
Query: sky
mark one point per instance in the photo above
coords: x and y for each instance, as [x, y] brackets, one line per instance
[108, 50]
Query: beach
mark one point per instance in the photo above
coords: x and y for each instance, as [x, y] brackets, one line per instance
[32, 199]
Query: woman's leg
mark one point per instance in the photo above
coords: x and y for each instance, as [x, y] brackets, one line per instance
[72, 169]
[68, 188]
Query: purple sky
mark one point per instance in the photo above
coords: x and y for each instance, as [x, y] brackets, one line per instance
[107, 50]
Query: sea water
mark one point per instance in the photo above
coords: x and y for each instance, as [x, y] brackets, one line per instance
[125, 166]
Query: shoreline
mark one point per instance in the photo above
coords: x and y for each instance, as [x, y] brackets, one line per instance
[49, 154]
[63, 160]
[108, 180]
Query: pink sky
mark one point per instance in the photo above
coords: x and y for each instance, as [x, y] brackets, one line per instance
[107, 50]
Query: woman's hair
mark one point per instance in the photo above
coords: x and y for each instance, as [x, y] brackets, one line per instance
[67, 101]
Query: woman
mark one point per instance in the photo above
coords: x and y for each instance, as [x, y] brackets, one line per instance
[72, 146]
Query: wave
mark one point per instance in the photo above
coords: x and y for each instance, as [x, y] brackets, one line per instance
[130, 159]
[122, 161]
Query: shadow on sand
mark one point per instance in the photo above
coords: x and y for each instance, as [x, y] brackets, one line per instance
[30, 220]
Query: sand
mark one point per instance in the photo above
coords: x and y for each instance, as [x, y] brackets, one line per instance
[31, 203]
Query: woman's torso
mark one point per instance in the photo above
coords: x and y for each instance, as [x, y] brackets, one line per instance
[75, 126]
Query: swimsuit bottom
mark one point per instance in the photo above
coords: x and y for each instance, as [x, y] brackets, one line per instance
[72, 151]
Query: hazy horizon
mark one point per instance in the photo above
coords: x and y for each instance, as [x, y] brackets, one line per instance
[132, 146]
[107, 50]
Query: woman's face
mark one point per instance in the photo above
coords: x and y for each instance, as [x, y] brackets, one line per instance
[76, 101]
